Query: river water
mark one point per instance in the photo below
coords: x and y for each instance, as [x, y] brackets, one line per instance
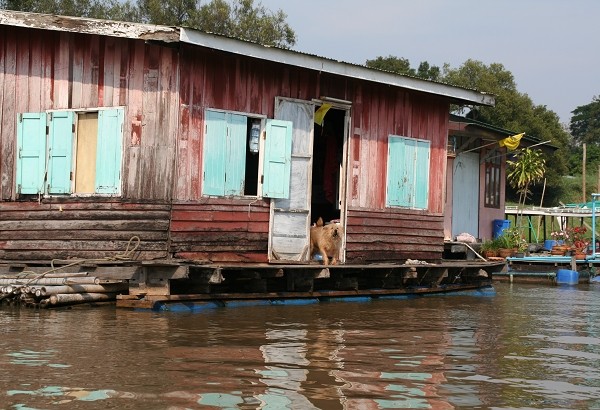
[526, 346]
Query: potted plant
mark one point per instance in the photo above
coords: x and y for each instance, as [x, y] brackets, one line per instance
[511, 242]
[489, 248]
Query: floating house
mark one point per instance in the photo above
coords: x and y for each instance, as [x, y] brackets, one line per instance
[199, 147]
[476, 176]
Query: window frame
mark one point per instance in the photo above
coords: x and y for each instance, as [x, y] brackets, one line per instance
[493, 179]
[224, 152]
[56, 172]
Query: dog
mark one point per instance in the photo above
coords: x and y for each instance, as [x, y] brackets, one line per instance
[326, 240]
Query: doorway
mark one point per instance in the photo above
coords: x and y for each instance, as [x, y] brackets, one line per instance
[328, 165]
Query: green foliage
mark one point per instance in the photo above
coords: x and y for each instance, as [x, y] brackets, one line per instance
[402, 66]
[113, 9]
[512, 238]
[241, 19]
[585, 123]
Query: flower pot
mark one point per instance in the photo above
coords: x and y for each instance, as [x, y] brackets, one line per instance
[505, 252]
[490, 254]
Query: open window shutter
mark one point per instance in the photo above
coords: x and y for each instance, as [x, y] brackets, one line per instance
[31, 161]
[109, 151]
[277, 161]
[60, 139]
[422, 153]
[214, 154]
[236, 154]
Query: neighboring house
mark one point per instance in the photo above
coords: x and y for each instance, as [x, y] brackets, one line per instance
[476, 176]
[206, 147]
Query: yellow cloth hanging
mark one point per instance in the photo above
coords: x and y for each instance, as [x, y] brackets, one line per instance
[320, 113]
[512, 142]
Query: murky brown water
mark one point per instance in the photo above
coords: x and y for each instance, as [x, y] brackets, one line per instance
[526, 347]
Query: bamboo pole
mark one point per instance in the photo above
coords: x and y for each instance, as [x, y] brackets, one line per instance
[62, 299]
[82, 288]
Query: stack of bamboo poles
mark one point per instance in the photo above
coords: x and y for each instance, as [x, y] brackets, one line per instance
[58, 289]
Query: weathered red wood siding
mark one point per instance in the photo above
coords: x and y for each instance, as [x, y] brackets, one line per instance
[45, 70]
[213, 79]
[221, 230]
[73, 229]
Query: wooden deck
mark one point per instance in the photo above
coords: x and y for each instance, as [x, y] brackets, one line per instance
[156, 283]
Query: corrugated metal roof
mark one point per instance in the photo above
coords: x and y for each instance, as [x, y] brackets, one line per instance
[169, 34]
[503, 132]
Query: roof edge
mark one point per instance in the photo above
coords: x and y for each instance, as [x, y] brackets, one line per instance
[294, 58]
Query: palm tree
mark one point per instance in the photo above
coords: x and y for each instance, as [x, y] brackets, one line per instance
[527, 167]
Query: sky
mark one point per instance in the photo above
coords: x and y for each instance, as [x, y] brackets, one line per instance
[552, 47]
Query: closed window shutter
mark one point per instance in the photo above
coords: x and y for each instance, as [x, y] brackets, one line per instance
[236, 154]
[214, 153]
[407, 172]
[31, 160]
[60, 151]
[109, 149]
[278, 158]
[422, 153]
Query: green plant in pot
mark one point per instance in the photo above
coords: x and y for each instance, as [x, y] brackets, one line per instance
[489, 247]
[511, 242]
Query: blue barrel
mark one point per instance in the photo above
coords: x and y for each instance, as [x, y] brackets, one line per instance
[549, 244]
[567, 277]
[499, 226]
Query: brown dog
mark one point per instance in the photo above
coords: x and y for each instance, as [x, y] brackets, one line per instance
[326, 240]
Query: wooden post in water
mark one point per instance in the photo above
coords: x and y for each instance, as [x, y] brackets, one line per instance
[583, 172]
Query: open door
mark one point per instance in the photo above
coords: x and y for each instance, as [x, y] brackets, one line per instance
[289, 226]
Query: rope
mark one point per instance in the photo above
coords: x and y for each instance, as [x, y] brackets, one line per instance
[127, 255]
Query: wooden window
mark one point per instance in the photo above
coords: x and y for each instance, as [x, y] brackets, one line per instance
[408, 172]
[66, 152]
[230, 168]
[492, 179]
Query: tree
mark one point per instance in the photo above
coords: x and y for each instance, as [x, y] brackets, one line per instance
[402, 66]
[241, 19]
[101, 9]
[585, 123]
[527, 167]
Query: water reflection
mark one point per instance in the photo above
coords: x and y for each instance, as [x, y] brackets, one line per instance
[526, 347]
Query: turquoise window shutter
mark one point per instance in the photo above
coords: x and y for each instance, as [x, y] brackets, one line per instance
[277, 161]
[235, 168]
[214, 153]
[422, 152]
[60, 151]
[109, 151]
[408, 172]
[31, 159]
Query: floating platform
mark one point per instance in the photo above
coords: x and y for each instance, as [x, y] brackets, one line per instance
[170, 284]
[544, 268]
[220, 285]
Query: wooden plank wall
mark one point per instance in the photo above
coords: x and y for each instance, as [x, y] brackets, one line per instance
[211, 79]
[221, 230]
[83, 229]
[45, 70]
[393, 235]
